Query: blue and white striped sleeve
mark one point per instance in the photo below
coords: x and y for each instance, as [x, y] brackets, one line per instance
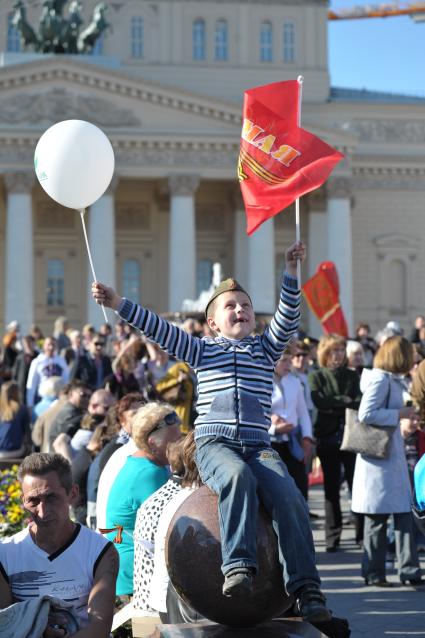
[169, 337]
[286, 320]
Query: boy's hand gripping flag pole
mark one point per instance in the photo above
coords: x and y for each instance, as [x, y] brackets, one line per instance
[279, 161]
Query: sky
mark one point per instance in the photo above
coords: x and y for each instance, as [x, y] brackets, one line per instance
[381, 54]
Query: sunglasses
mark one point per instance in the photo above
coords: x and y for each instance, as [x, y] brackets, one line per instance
[300, 354]
[99, 344]
[172, 418]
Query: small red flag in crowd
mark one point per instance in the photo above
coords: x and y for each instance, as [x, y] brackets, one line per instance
[278, 161]
[322, 295]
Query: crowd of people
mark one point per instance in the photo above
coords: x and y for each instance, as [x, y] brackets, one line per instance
[121, 411]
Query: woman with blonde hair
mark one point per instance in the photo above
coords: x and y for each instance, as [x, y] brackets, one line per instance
[154, 426]
[333, 388]
[181, 457]
[14, 422]
[381, 486]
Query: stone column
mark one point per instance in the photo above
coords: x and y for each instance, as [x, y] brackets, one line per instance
[101, 233]
[340, 241]
[261, 284]
[19, 280]
[317, 247]
[182, 240]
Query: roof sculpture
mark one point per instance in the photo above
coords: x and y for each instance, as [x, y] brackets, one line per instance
[58, 33]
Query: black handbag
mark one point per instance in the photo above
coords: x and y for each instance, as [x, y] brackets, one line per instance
[367, 439]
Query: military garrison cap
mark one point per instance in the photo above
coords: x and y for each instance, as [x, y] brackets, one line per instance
[225, 286]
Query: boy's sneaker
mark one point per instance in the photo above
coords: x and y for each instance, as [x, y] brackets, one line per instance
[310, 604]
[238, 582]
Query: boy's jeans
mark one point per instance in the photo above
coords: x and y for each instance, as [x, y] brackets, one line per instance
[241, 474]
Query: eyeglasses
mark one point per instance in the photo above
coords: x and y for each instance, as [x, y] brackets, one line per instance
[99, 344]
[172, 418]
[300, 354]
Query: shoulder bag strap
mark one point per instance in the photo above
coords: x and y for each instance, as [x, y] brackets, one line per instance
[387, 400]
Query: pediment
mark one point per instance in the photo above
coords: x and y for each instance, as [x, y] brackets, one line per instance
[57, 104]
[335, 136]
[397, 241]
[41, 92]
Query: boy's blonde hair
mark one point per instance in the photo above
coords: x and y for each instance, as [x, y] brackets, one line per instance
[228, 285]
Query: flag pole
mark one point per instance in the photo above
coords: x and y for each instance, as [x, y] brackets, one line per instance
[300, 80]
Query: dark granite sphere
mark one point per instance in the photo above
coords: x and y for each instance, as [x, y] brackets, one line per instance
[193, 557]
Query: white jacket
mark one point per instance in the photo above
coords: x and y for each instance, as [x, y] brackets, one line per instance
[382, 486]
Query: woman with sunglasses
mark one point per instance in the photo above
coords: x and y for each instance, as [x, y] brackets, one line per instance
[155, 425]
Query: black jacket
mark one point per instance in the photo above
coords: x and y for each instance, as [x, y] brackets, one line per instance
[328, 390]
[67, 420]
[84, 368]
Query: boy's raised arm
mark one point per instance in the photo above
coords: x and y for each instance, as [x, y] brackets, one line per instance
[286, 319]
[169, 337]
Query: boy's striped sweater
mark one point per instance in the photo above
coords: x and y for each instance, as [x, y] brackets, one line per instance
[235, 377]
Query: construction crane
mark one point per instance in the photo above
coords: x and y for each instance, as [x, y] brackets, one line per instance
[416, 10]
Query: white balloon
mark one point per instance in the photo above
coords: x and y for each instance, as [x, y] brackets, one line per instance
[74, 163]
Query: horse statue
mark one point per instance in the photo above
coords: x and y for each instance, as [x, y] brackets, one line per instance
[57, 6]
[87, 38]
[50, 29]
[19, 21]
[72, 27]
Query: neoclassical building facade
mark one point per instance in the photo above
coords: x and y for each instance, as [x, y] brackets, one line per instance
[166, 86]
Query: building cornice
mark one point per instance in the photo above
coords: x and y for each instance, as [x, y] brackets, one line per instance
[289, 3]
[142, 157]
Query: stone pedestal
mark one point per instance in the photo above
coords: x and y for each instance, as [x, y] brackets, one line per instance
[288, 628]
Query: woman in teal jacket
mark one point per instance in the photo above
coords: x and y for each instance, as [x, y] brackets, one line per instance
[155, 425]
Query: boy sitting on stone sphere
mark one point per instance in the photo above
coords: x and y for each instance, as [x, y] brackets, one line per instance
[234, 455]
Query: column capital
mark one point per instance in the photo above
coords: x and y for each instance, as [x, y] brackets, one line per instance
[183, 185]
[21, 182]
[339, 188]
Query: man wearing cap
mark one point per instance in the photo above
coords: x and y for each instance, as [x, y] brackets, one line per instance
[234, 455]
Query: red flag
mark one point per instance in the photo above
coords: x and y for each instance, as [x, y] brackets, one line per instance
[278, 160]
[322, 295]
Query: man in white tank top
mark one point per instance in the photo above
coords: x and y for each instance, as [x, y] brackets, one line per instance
[55, 556]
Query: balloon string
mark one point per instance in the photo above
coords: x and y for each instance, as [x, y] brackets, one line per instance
[82, 212]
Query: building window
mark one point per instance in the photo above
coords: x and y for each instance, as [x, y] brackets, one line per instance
[13, 39]
[98, 46]
[55, 282]
[131, 279]
[198, 40]
[221, 40]
[204, 275]
[288, 42]
[397, 276]
[136, 36]
[266, 42]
